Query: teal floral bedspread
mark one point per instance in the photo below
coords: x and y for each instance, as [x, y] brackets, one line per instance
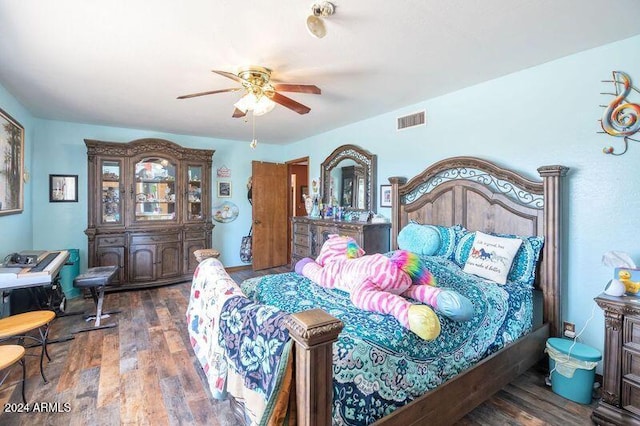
[378, 365]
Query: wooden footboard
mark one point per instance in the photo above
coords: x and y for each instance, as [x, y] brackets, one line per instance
[314, 333]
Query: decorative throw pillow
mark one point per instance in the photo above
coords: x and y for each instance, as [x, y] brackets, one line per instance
[419, 239]
[491, 257]
[523, 269]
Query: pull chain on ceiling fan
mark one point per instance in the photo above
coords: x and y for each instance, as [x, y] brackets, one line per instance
[261, 94]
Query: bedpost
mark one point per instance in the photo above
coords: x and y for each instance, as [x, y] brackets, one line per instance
[396, 181]
[314, 332]
[552, 250]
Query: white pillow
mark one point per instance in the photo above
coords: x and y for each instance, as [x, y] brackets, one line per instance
[491, 257]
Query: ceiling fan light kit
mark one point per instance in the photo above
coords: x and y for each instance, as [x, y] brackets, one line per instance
[256, 84]
[315, 23]
[258, 104]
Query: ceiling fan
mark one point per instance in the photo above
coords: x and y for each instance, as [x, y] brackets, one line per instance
[261, 94]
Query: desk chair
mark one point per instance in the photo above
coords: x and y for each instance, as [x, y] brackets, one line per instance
[96, 280]
[17, 327]
[9, 355]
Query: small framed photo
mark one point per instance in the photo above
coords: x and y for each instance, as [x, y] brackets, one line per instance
[224, 189]
[385, 195]
[63, 188]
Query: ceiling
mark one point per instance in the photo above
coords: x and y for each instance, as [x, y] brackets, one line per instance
[123, 62]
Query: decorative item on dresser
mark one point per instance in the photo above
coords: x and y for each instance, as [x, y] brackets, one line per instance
[309, 235]
[620, 403]
[149, 209]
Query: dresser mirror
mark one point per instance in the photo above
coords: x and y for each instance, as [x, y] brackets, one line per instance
[348, 178]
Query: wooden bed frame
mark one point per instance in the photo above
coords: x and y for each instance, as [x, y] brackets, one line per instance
[480, 196]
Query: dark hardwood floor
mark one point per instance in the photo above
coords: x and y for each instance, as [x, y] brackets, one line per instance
[143, 372]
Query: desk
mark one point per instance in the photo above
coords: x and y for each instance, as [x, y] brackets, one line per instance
[12, 278]
[39, 281]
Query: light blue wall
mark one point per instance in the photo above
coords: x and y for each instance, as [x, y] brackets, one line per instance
[15, 229]
[544, 115]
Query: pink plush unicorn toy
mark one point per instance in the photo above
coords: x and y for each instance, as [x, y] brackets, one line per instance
[378, 283]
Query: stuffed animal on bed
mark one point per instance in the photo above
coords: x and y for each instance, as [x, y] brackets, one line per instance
[378, 283]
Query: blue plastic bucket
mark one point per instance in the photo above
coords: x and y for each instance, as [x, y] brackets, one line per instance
[69, 272]
[573, 368]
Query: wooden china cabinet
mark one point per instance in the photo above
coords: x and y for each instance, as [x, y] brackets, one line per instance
[149, 209]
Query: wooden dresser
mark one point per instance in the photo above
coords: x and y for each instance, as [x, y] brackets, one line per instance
[620, 402]
[309, 235]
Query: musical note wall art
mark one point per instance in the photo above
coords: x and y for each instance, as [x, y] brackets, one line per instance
[621, 118]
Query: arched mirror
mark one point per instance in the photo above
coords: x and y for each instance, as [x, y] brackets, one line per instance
[349, 178]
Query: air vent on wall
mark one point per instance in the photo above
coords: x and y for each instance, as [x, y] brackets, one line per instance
[412, 120]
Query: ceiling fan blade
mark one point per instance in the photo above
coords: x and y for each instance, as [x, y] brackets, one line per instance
[288, 102]
[211, 92]
[238, 114]
[300, 88]
[230, 75]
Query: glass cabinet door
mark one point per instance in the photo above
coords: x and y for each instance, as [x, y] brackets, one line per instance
[194, 193]
[155, 189]
[111, 186]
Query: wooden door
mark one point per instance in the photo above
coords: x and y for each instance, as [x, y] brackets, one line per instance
[270, 214]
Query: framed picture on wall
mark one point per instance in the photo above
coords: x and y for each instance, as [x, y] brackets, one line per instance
[63, 188]
[12, 165]
[385, 195]
[224, 189]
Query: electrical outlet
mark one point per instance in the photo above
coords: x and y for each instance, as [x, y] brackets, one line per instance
[569, 329]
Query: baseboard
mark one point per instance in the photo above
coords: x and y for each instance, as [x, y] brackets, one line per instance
[237, 268]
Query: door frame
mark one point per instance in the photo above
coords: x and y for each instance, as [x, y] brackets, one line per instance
[302, 161]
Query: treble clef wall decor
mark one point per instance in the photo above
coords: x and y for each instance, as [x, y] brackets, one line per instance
[621, 118]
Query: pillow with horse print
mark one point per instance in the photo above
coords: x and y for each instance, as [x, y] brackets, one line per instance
[491, 257]
[523, 269]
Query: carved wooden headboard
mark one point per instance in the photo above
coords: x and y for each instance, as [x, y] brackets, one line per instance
[482, 196]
